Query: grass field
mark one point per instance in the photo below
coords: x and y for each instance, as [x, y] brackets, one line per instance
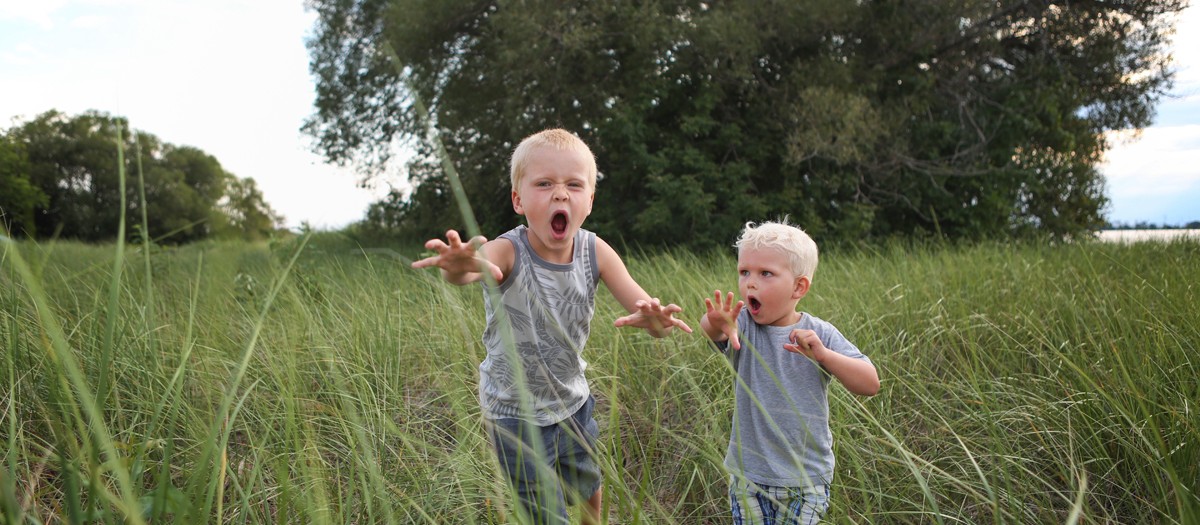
[312, 381]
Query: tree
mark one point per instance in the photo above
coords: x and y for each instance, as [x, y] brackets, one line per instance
[245, 213]
[72, 166]
[969, 118]
[18, 196]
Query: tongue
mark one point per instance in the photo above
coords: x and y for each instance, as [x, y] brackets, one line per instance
[559, 223]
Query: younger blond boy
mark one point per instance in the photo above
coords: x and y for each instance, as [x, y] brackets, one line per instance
[546, 274]
[780, 454]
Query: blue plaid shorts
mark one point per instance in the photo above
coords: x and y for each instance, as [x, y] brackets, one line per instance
[754, 504]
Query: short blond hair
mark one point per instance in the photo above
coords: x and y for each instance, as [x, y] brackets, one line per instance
[799, 248]
[559, 139]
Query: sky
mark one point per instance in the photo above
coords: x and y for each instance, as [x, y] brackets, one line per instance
[230, 77]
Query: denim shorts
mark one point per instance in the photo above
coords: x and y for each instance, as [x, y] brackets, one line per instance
[754, 504]
[569, 473]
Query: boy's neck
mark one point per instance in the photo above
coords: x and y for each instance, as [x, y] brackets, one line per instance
[787, 320]
[545, 253]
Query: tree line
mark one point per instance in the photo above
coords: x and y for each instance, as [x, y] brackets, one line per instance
[859, 120]
[1146, 225]
[60, 178]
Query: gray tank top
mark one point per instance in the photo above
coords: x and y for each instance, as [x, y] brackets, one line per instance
[549, 308]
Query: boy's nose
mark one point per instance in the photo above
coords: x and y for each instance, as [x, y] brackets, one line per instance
[560, 193]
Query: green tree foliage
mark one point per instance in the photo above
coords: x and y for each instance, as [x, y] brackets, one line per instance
[18, 196]
[244, 213]
[966, 118]
[70, 163]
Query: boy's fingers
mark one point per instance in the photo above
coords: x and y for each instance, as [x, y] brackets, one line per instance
[683, 326]
[624, 321]
[496, 273]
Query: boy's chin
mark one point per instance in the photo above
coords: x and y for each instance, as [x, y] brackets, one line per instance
[763, 318]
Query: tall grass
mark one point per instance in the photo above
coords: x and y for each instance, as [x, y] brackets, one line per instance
[314, 381]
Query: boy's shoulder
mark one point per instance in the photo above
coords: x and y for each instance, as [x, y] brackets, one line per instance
[830, 335]
[501, 251]
[808, 320]
[811, 322]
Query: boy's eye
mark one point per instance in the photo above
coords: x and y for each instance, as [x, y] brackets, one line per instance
[744, 273]
[766, 273]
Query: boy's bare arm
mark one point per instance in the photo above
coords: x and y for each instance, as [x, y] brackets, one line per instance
[464, 262]
[644, 311]
[857, 375]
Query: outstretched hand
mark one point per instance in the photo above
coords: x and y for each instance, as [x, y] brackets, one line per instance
[459, 261]
[721, 318]
[657, 319]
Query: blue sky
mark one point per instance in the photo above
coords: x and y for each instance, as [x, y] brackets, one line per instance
[231, 78]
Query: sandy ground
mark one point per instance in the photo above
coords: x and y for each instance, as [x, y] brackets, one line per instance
[1147, 235]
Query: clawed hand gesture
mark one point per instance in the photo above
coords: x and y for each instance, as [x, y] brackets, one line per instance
[459, 261]
[657, 319]
[721, 317]
[806, 343]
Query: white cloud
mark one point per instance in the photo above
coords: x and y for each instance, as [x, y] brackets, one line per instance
[89, 22]
[1186, 43]
[40, 12]
[21, 54]
[1156, 179]
[1164, 162]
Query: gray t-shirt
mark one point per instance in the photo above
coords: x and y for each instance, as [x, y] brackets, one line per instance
[549, 307]
[780, 434]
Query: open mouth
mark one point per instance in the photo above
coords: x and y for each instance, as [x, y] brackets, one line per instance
[755, 306]
[558, 224]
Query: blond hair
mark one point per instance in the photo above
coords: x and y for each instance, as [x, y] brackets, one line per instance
[799, 248]
[559, 139]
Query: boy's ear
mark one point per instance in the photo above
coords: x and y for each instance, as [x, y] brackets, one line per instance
[516, 199]
[801, 287]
